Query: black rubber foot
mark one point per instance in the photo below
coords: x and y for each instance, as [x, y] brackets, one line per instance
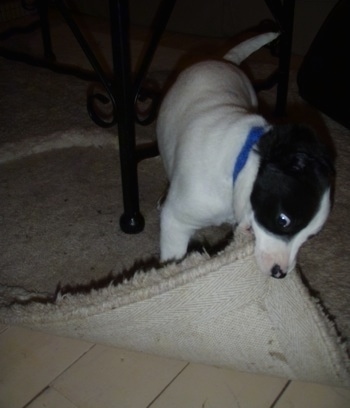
[132, 224]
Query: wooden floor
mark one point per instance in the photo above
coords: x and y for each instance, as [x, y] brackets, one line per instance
[40, 370]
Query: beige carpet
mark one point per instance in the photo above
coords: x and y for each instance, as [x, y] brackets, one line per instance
[59, 211]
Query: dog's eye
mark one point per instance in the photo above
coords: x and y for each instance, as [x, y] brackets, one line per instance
[283, 220]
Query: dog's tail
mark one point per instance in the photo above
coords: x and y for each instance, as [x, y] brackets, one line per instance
[242, 51]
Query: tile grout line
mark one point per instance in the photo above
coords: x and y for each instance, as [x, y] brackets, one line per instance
[49, 385]
[167, 386]
[72, 363]
[36, 396]
[280, 394]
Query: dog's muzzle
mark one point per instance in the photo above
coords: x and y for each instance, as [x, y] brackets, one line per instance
[276, 272]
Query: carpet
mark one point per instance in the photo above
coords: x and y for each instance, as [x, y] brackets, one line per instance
[66, 268]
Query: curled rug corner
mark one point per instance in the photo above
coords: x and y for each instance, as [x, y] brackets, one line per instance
[219, 311]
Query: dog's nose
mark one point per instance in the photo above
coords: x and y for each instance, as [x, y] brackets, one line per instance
[276, 272]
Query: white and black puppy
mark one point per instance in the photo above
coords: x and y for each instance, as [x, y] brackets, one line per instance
[225, 163]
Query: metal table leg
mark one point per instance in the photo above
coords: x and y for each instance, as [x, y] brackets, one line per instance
[283, 12]
[131, 220]
[287, 20]
[45, 29]
[126, 94]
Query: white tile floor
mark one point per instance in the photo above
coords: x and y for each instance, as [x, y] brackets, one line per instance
[39, 370]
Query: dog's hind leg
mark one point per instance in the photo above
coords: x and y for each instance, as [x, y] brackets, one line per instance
[174, 236]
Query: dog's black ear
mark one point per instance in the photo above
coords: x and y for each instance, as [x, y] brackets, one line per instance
[318, 160]
[296, 149]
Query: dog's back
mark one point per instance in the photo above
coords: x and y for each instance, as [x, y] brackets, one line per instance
[205, 87]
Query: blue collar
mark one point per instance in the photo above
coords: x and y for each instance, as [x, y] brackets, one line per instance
[253, 137]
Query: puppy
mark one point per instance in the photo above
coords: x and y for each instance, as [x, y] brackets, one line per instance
[225, 163]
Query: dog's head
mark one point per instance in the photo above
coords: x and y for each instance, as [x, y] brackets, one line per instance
[291, 195]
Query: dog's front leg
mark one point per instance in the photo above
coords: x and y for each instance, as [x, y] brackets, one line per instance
[174, 236]
[246, 228]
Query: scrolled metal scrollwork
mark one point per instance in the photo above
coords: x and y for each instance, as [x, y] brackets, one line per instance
[147, 102]
[104, 118]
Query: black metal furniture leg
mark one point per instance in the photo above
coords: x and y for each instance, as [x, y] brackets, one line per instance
[159, 25]
[131, 220]
[45, 29]
[283, 12]
[287, 20]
